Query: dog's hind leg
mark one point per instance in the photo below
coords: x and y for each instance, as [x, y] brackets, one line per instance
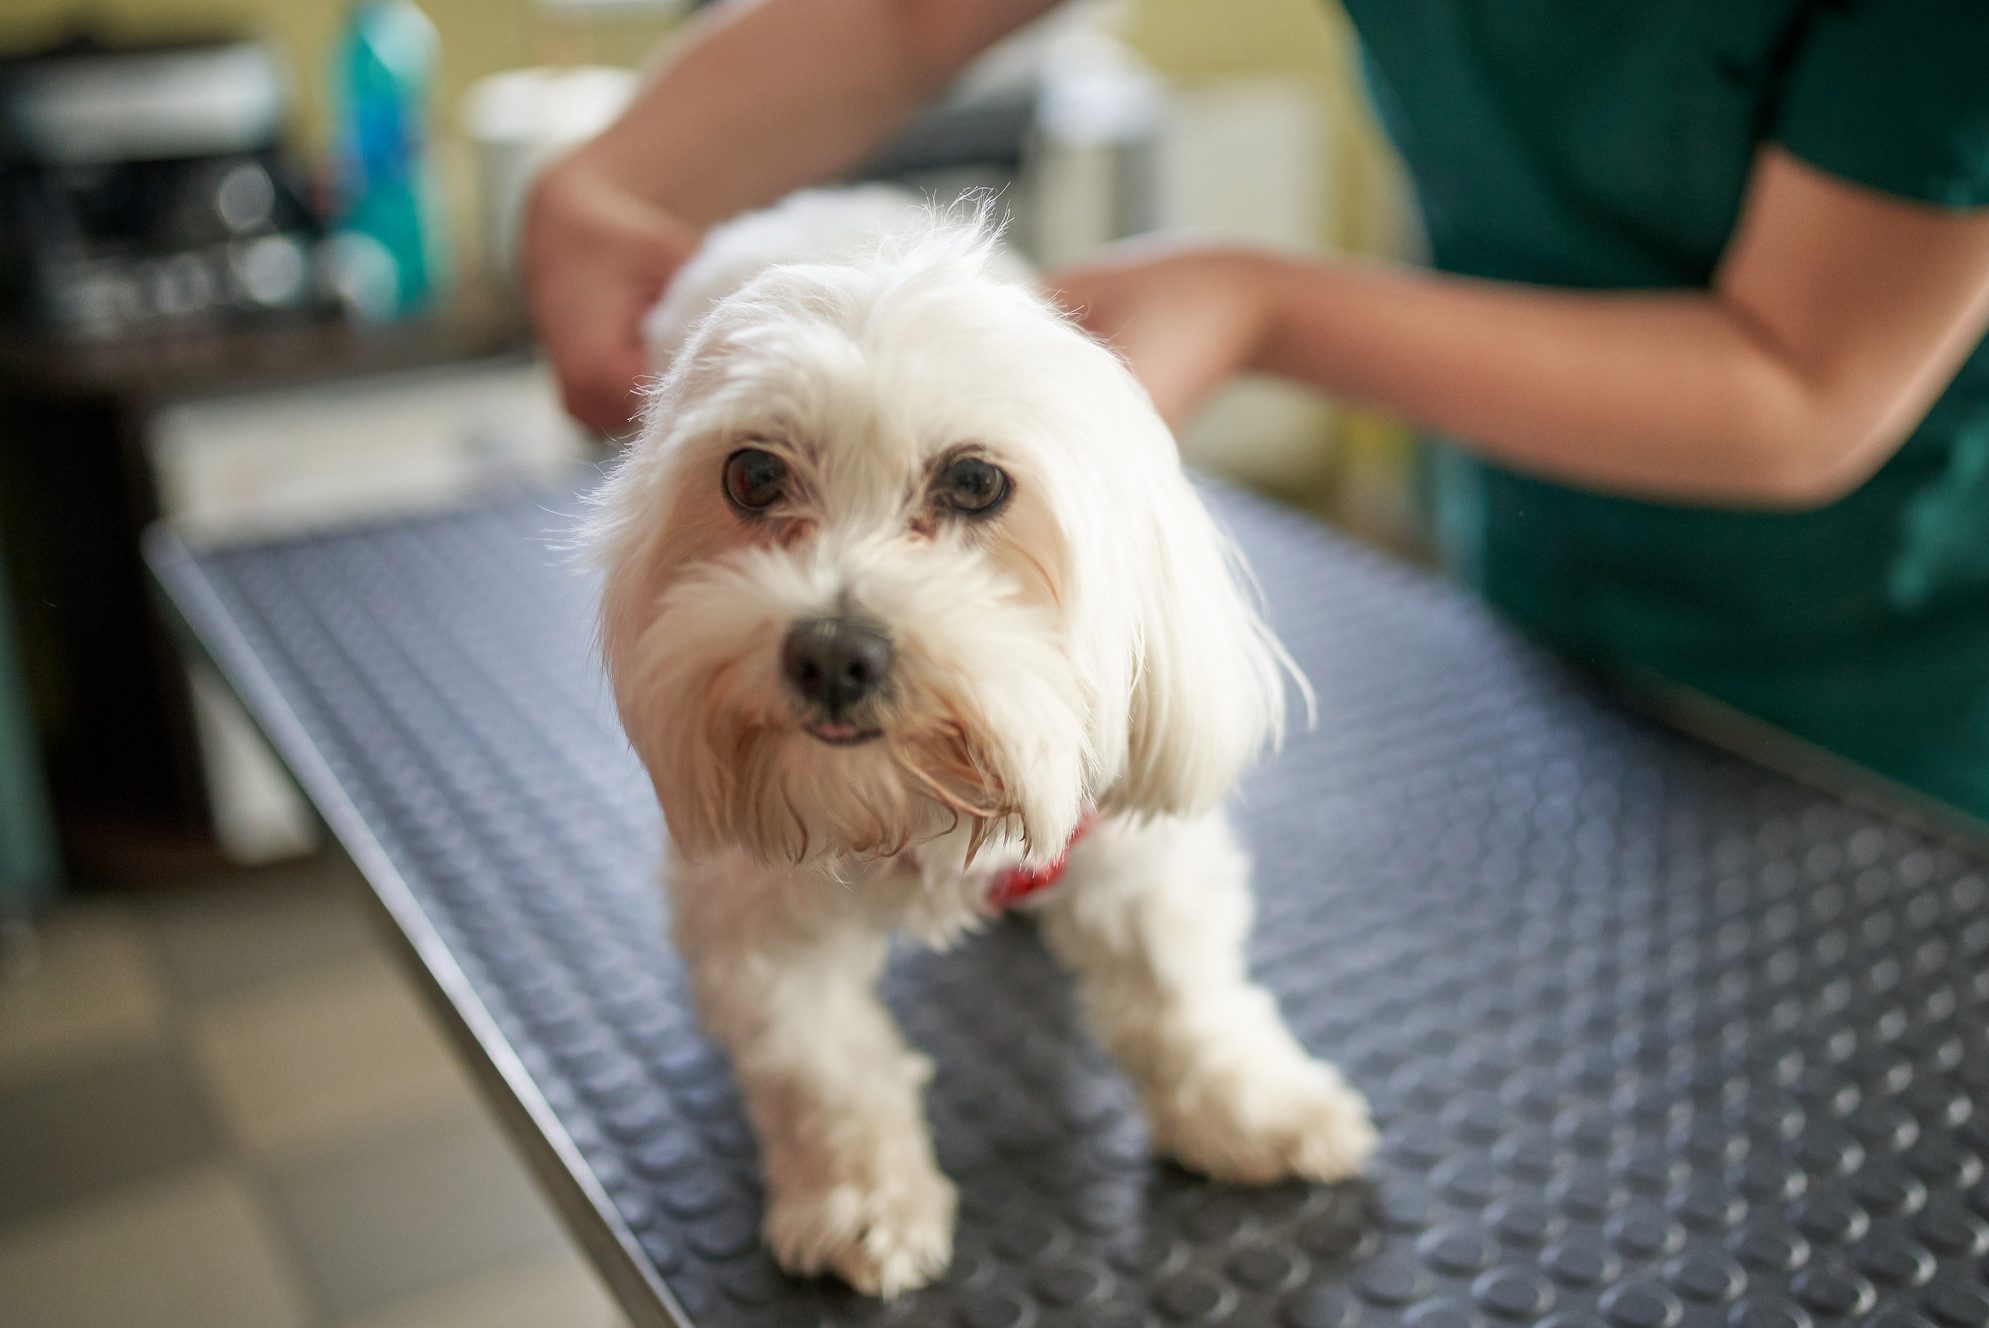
[1154, 917]
[832, 1089]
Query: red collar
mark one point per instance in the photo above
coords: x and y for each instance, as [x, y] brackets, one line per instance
[1018, 883]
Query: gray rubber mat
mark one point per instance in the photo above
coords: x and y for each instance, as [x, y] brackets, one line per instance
[1654, 1037]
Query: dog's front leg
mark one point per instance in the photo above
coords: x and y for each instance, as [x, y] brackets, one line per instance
[1154, 918]
[832, 1089]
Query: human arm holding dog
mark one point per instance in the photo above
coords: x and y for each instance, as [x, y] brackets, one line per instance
[754, 99]
[1835, 318]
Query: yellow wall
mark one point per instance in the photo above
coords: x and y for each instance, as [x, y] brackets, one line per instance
[1309, 40]
[479, 37]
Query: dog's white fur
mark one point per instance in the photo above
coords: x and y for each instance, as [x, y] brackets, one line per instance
[1091, 647]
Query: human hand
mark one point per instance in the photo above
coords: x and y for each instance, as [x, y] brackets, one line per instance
[1186, 317]
[596, 256]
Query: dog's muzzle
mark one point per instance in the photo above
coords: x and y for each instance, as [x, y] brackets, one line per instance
[835, 666]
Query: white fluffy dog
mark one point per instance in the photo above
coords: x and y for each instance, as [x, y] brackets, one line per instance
[910, 608]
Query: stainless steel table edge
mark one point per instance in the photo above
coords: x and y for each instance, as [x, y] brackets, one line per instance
[194, 607]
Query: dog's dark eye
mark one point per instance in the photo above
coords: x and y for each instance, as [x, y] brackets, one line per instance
[754, 480]
[973, 487]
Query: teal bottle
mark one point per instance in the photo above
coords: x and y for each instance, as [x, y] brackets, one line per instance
[389, 234]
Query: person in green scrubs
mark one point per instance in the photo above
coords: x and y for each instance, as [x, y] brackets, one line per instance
[1704, 322]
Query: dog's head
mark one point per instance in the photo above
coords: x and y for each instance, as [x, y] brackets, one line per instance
[899, 550]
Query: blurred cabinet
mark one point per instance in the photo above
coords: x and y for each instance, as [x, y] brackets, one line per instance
[28, 864]
[233, 432]
[298, 458]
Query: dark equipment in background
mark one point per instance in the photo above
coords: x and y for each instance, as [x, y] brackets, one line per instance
[154, 242]
[143, 190]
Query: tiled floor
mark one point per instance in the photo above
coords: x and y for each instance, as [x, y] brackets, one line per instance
[227, 1107]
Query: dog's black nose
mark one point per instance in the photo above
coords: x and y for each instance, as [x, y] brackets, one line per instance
[833, 663]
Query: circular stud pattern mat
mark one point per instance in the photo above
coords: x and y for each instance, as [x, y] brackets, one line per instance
[1654, 1037]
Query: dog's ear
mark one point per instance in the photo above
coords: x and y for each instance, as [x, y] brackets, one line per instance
[1208, 685]
[628, 538]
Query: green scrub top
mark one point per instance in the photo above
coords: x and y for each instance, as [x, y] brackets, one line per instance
[1605, 144]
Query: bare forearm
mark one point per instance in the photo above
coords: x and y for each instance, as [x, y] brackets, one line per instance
[1666, 394]
[1836, 317]
[759, 97]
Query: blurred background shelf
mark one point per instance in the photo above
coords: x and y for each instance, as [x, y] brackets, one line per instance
[476, 325]
[288, 426]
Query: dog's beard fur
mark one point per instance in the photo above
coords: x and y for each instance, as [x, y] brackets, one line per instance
[982, 725]
[1087, 646]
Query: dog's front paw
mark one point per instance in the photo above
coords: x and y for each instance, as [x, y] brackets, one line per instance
[1256, 1120]
[882, 1236]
